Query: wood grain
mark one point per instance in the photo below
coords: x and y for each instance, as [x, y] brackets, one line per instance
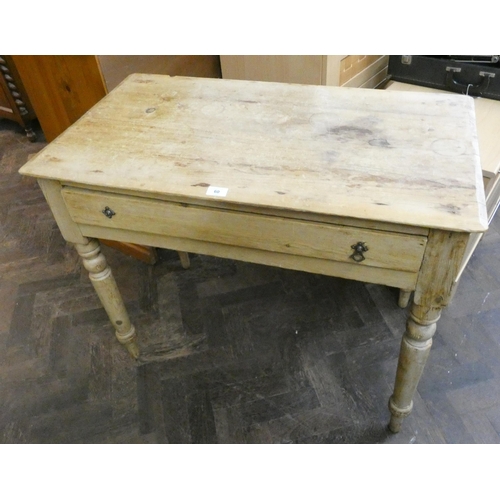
[390, 277]
[275, 234]
[487, 117]
[388, 156]
[61, 88]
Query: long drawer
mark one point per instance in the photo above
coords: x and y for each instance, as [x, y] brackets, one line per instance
[387, 250]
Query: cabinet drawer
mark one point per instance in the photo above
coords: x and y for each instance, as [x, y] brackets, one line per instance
[263, 232]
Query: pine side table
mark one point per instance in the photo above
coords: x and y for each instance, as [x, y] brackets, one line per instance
[381, 187]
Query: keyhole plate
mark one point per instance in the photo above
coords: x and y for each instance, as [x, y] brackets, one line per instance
[108, 212]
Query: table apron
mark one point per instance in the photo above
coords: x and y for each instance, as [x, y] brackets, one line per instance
[209, 227]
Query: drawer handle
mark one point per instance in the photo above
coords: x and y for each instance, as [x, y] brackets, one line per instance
[108, 212]
[359, 249]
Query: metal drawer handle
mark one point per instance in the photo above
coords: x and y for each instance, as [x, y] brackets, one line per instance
[359, 248]
[108, 212]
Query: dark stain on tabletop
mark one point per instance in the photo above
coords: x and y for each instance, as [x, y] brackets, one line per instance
[450, 208]
[201, 184]
[349, 130]
[382, 143]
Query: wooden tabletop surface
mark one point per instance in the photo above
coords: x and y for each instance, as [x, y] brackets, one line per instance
[488, 120]
[401, 157]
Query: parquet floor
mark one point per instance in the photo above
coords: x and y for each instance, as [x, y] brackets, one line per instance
[232, 352]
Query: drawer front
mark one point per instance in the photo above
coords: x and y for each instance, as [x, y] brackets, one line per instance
[275, 234]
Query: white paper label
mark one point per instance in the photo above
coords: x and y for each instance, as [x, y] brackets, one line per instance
[216, 191]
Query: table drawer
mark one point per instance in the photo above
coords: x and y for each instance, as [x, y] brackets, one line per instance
[263, 232]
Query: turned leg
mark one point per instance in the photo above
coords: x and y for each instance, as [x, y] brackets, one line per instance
[442, 258]
[415, 348]
[184, 256]
[105, 286]
[404, 298]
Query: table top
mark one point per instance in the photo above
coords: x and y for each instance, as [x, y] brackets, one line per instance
[487, 118]
[397, 157]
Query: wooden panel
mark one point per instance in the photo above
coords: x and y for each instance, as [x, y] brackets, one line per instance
[286, 69]
[275, 234]
[116, 68]
[61, 88]
[362, 153]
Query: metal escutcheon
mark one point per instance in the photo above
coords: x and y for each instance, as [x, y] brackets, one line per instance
[359, 249]
[108, 212]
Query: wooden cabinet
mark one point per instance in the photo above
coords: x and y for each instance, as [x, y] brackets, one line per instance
[343, 71]
[14, 101]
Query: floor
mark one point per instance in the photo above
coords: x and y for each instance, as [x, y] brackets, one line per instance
[231, 352]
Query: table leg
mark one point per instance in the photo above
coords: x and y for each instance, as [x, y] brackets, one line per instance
[404, 298]
[415, 348]
[105, 286]
[442, 258]
[184, 257]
